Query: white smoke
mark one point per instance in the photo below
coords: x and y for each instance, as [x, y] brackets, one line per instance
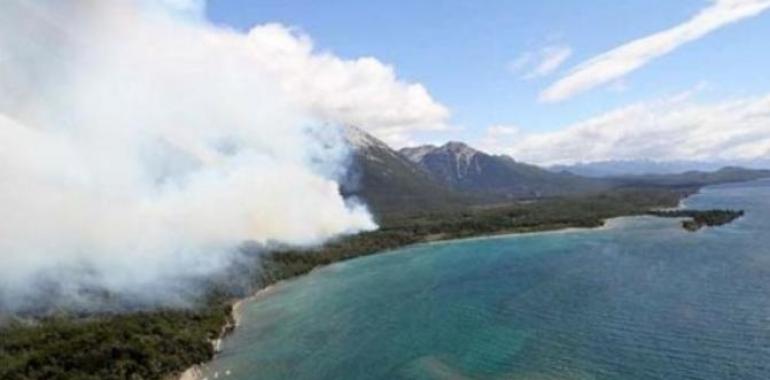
[140, 145]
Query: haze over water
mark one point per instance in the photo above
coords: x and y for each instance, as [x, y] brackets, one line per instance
[640, 299]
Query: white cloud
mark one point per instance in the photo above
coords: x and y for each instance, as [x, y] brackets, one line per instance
[631, 56]
[674, 128]
[540, 63]
[552, 58]
[140, 144]
[138, 147]
[363, 92]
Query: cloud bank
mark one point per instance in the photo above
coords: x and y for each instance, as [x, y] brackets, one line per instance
[363, 92]
[674, 128]
[631, 56]
[139, 145]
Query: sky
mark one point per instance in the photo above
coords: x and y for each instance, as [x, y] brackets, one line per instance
[546, 82]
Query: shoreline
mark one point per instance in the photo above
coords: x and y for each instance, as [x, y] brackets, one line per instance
[195, 372]
[606, 224]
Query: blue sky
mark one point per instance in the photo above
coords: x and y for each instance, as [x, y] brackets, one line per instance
[463, 53]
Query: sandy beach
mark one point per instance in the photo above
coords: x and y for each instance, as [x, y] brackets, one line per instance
[196, 372]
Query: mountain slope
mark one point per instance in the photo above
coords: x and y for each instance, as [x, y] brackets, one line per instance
[389, 183]
[466, 169]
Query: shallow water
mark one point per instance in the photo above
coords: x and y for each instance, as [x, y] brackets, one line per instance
[640, 299]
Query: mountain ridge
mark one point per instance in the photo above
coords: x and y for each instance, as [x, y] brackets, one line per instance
[431, 178]
[464, 168]
[390, 183]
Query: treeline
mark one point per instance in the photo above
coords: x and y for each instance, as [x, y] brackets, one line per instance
[701, 218]
[160, 344]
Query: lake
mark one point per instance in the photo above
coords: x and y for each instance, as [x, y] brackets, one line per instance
[638, 299]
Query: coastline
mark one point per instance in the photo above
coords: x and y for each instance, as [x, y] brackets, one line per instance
[196, 372]
[608, 224]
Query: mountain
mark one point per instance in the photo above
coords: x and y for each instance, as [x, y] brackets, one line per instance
[466, 169]
[692, 179]
[617, 168]
[453, 176]
[389, 183]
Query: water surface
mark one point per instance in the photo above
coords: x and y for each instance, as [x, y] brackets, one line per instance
[640, 299]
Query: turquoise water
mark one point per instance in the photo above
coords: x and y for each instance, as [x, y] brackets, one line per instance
[640, 299]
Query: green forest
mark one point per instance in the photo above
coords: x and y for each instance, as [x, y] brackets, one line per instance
[697, 219]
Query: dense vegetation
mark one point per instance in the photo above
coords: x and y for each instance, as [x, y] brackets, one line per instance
[161, 344]
[144, 345]
[551, 214]
[701, 218]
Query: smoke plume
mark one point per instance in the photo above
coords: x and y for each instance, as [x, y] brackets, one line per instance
[140, 145]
